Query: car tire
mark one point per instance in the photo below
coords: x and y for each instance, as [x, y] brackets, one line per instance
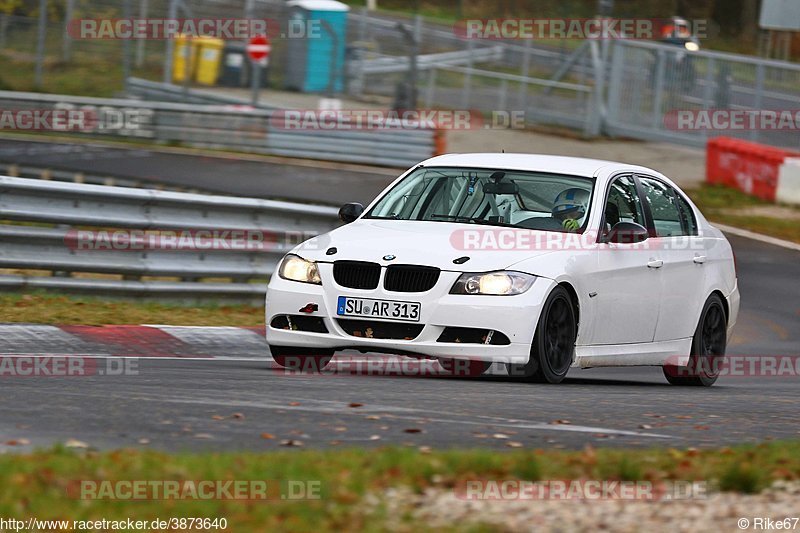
[708, 348]
[553, 344]
[301, 359]
[464, 367]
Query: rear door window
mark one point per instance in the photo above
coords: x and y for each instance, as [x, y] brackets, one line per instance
[664, 207]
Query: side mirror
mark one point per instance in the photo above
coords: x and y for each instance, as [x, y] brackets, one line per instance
[350, 212]
[627, 233]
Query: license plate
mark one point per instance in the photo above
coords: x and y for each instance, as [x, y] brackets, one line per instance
[388, 309]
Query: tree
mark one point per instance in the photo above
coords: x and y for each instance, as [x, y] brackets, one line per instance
[7, 7]
[749, 20]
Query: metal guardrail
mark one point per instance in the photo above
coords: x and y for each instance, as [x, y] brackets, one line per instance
[385, 64]
[241, 129]
[47, 172]
[53, 213]
[168, 92]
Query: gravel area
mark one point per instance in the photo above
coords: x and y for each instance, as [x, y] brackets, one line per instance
[718, 511]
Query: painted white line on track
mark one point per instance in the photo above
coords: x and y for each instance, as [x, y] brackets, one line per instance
[129, 356]
[341, 408]
[55, 354]
[747, 234]
[209, 328]
[551, 427]
[261, 358]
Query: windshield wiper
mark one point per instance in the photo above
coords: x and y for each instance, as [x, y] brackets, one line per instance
[471, 220]
[457, 218]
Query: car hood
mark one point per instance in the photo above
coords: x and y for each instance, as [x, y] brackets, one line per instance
[427, 243]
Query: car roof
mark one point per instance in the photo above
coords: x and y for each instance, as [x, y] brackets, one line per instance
[576, 166]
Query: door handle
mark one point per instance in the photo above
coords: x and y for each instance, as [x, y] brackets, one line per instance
[699, 259]
[656, 263]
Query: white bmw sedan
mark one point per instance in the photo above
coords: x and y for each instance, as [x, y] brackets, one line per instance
[537, 262]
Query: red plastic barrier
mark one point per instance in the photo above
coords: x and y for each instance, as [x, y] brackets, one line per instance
[750, 167]
[439, 142]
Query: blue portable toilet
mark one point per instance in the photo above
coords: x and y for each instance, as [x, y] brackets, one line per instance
[316, 45]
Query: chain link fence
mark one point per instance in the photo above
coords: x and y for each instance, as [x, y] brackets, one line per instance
[652, 87]
[624, 87]
[96, 67]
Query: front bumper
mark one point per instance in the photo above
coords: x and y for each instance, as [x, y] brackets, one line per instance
[514, 316]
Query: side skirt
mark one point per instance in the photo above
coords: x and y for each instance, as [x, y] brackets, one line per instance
[642, 354]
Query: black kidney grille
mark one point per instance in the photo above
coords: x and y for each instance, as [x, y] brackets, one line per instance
[357, 274]
[410, 278]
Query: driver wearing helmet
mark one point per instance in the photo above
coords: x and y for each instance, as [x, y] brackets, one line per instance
[570, 206]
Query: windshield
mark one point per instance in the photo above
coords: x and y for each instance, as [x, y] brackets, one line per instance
[531, 200]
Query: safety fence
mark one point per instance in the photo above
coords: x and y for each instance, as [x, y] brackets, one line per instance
[625, 87]
[665, 93]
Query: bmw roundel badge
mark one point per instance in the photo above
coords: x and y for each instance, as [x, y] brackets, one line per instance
[388, 257]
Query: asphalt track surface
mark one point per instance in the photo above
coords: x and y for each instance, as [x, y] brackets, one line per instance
[228, 403]
[189, 403]
[237, 175]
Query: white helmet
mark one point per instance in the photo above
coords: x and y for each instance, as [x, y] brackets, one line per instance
[571, 203]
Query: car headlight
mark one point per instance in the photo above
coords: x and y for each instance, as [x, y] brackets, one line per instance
[295, 268]
[692, 46]
[493, 283]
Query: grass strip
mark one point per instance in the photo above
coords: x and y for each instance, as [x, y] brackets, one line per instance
[735, 208]
[42, 483]
[49, 308]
